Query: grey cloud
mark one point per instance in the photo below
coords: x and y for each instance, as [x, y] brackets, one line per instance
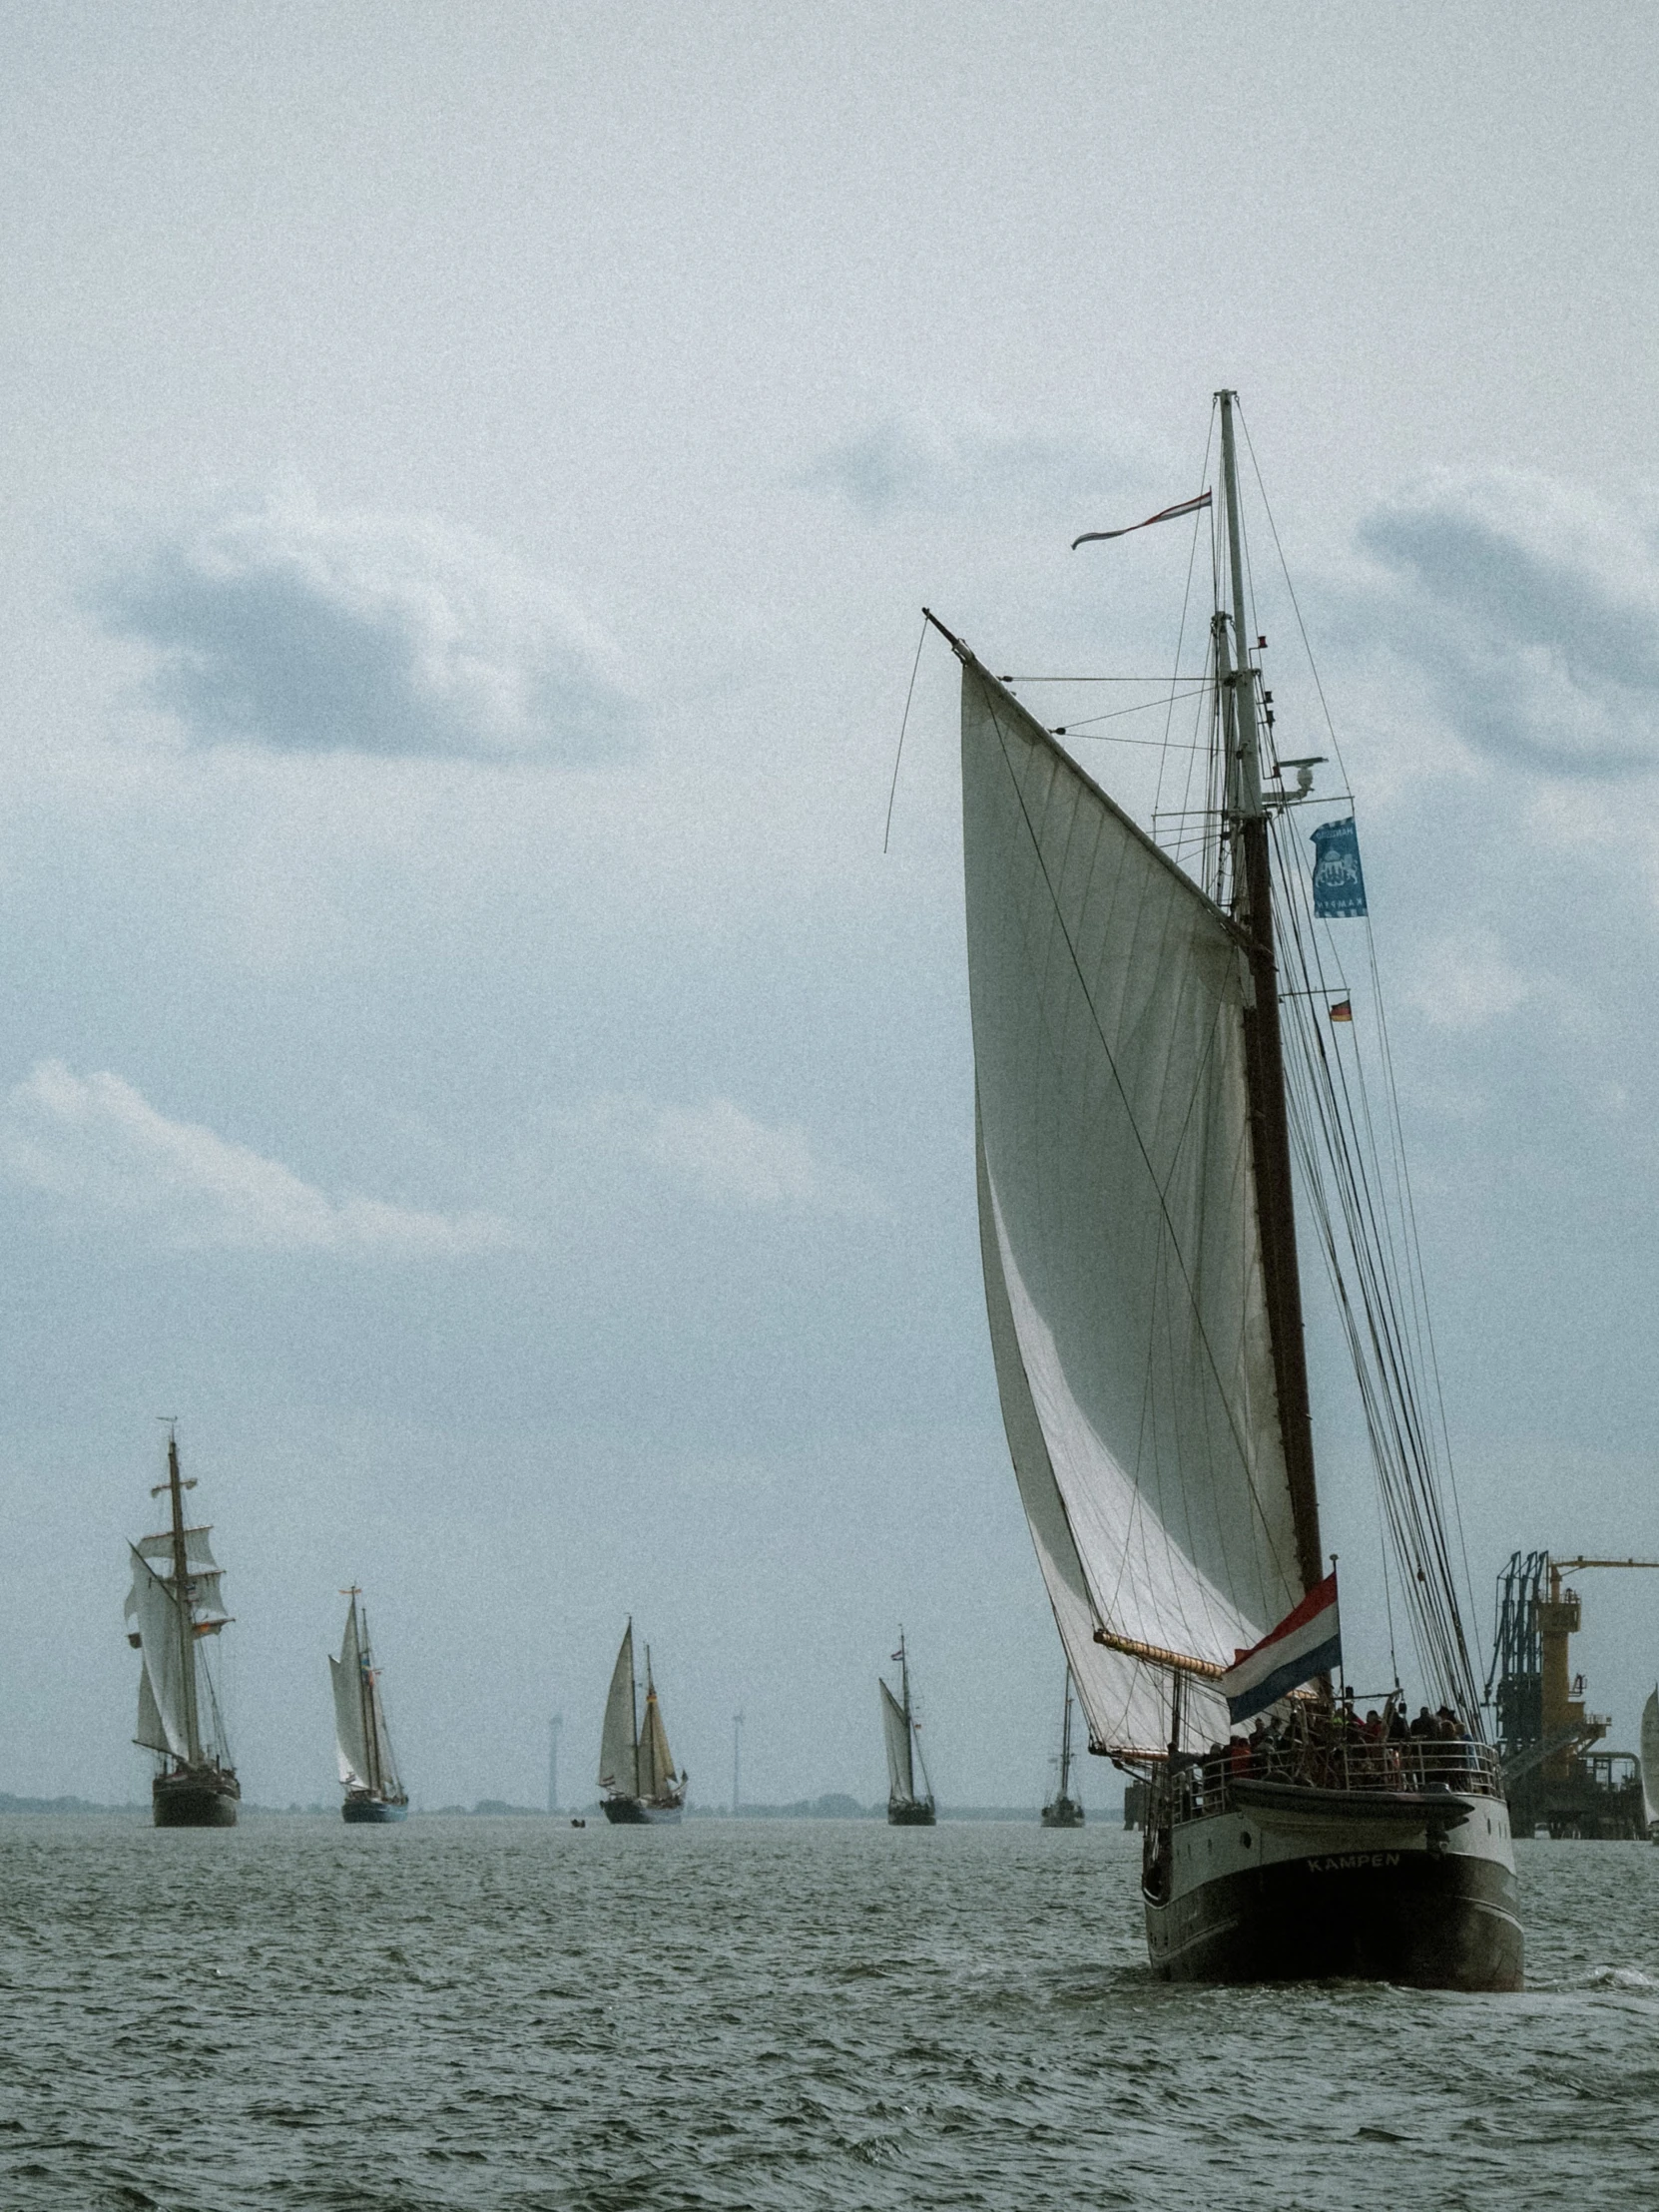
[1535, 612]
[376, 634]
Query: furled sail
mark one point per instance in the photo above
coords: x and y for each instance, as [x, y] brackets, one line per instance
[895, 1727]
[1650, 1758]
[350, 1744]
[618, 1767]
[1118, 1230]
[152, 1606]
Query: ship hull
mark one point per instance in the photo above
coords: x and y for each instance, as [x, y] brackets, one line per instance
[1063, 1813]
[372, 1812]
[196, 1797]
[912, 1815]
[1261, 1894]
[628, 1812]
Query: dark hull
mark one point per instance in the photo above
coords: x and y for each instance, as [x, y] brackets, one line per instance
[373, 1811]
[911, 1815]
[1423, 1919]
[629, 1812]
[196, 1797]
[1063, 1813]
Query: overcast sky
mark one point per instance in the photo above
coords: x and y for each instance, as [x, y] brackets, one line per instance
[471, 478]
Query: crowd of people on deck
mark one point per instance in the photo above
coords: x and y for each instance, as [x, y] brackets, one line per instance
[1325, 1743]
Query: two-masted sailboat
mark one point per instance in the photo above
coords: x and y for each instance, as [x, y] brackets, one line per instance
[363, 1746]
[1064, 1810]
[174, 1610]
[636, 1767]
[1152, 1048]
[907, 1807]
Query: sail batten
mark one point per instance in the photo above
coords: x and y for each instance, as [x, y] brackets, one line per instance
[1119, 1229]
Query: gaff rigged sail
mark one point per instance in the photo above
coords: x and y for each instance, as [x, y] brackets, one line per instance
[1119, 1232]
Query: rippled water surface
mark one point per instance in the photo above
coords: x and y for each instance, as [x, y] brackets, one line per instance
[514, 2013]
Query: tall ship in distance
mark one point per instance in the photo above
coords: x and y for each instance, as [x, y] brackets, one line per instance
[362, 1744]
[1064, 1810]
[636, 1767]
[174, 1612]
[907, 1807]
[1176, 1048]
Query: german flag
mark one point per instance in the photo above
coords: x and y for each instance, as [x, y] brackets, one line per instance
[1342, 1010]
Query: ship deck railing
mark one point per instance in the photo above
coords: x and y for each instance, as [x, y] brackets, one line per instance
[1202, 1785]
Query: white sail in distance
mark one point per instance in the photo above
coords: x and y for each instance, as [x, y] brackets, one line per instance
[162, 1646]
[617, 1759]
[1650, 1758]
[657, 1776]
[895, 1728]
[1119, 1232]
[350, 1740]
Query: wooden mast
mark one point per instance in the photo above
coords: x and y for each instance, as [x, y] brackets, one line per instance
[181, 1598]
[1263, 1048]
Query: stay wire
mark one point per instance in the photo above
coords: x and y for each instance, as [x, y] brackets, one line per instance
[903, 727]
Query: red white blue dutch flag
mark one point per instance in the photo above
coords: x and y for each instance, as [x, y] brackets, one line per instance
[1307, 1642]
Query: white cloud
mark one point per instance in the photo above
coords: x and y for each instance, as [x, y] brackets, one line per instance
[353, 632]
[99, 1146]
[721, 1155]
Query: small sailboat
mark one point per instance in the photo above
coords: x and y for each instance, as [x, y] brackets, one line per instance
[906, 1808]
[636, 1767]
[1650, 1764]
[1164, 1055]
[1062, 1809]
[174, 1610]
[373, 1793]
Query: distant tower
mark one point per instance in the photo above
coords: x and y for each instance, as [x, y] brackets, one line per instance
[553, 1728]
[737, 1764]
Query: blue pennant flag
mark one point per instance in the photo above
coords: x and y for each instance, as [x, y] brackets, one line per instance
[1338, 880]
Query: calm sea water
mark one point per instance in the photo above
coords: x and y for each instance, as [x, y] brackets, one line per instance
[516, 2014]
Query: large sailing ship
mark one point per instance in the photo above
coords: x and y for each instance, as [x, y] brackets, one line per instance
[1064, 1810]
[636, 1767]
[175, 1609]
[362, 1744]
[1153, 1049]
[907, 1807]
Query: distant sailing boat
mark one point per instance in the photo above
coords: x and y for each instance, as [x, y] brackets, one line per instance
[1062, 1809]
[905, 1809]
[636, 1767]
[1650, 1764]
[368, 1770]
[1147, 1088]
[173, 1607]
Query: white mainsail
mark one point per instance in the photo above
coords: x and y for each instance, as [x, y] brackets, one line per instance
[1650, 1758]
[350, 1742]
[895, 1727]
[618, 1762]
[149, 1731]
[385, 1764]
[165, 1724]
[1118, 1230]
[657, 1776]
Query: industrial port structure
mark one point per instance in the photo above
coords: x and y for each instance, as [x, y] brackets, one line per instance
[1556, 1777]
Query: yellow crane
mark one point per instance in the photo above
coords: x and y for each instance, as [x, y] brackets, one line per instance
[1559, 1616]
